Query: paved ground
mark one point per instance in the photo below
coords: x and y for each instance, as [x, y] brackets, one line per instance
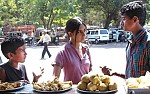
[111, 54]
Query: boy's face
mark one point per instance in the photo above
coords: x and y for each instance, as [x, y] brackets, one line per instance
[19, 56]
[127, 23]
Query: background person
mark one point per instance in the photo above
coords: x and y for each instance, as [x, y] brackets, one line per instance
[138, 48]
[14, 49]
[74, 58]
[45, 39]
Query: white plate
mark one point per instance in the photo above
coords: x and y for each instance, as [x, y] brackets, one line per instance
[96, 92]
[14, 89]
[59, 91]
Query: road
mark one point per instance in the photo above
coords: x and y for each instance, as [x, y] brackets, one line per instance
[111, 55]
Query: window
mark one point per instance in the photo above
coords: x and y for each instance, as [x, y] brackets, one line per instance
[96, 32]
[88, 32]
[92, 33]
[103, 32]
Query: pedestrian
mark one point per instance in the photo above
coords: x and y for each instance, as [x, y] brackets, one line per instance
[138, 48]
[13, 49]
[117, 36]
[45, 39]
[74, 58]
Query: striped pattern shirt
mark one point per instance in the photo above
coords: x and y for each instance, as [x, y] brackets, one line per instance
[136, 55]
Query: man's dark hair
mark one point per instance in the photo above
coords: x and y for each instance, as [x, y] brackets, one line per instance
[11, 44]
[135, 8]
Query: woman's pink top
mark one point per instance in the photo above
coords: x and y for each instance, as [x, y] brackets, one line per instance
[74, 67]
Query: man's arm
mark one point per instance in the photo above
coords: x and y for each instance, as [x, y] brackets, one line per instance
[106, 71]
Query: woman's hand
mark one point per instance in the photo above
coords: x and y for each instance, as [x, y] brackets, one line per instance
[36, 77]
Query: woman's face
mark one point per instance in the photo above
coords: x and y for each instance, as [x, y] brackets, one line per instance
[81, 34]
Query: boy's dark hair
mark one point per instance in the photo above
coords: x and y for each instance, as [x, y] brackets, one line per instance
[135, 8]
[11, 44]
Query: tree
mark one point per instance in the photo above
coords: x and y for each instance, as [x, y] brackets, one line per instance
[108, 9]
[49, 10]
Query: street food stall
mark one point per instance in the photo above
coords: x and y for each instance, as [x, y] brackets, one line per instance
[56, 86]
[89, 84]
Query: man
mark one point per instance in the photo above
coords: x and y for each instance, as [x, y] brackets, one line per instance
[45, 39]
[138, 48]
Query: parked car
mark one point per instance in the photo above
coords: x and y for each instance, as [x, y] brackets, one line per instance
[121, 35]
[113, 31]
[98, 35]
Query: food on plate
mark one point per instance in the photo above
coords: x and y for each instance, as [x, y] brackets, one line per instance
[112, 86]
[82, 85]
[91, 86]
[102, 87]
[8, 85]
[54, 85]
[85, 78]
[96, 80]
[140, 82]
[97, 83]
[92, 76]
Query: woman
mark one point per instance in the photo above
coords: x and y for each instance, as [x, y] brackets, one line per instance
[74, 58]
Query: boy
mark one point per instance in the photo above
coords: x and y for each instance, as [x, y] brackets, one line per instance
[13, 49]
[138, 48]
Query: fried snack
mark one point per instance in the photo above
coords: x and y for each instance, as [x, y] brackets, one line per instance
[37, 87]
[132, 85]
[92, 77]
[7, 85]
[97, 83]
[85, 78]
[82, 85]
[140, 82]
[54, 85]
[68, 82]
[91, 87]
[65, 86]
[105, 79]
[112, 85]
[2, 87]
[132, 80]
[96, 80]
[102, 87]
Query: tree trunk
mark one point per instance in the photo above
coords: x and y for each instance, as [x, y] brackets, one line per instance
[108, 19]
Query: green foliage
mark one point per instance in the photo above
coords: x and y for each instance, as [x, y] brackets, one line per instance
[48, 13]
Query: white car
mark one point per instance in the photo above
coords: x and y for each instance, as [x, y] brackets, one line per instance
[98, 35]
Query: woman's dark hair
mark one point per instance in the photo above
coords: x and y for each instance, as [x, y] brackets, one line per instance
[73, 25]
[135, 8]
[11, 44]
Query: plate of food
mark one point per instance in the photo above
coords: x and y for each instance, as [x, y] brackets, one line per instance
[96, 92]
[139, 85]
[97, 84]
[50, 91]
[54, 86]
[11, 86]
